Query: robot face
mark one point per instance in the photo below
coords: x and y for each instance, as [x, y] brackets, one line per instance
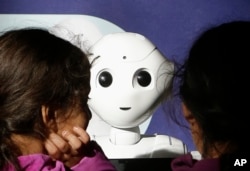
[128, 75]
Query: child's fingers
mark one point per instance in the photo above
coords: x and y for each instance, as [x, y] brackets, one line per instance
[72, 139]
[68, 148]
[82, 134]
[59, 143]
[56, 146]
[52, 150]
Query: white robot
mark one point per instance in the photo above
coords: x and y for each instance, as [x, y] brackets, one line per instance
[128, 78]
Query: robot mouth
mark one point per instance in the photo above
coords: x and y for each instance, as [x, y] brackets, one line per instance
[125, 108]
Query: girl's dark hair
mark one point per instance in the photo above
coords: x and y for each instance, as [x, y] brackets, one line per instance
[215, 87]
[36, 68]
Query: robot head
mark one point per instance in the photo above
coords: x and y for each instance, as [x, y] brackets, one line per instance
[128, 76]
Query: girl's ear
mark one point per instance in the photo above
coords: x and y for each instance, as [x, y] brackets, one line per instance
[49, 117]
[187, 114]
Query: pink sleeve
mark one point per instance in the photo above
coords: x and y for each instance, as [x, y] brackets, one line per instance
[187, 163]
[39, 162]
[95, 161]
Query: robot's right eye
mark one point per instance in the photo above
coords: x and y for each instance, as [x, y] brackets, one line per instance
[142, 78]
[105, 79]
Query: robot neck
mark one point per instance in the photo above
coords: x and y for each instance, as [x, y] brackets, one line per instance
[125, 136]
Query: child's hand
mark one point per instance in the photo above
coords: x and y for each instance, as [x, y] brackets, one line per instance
[69, 147]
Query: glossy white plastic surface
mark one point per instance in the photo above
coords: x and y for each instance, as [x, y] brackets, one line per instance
[128, 76]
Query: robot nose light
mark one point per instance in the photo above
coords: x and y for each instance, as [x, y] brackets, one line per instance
[125, 108]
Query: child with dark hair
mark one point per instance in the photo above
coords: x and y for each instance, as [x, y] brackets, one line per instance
[44, 87]
[214, 81]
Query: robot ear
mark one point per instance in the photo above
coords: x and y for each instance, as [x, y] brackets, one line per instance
[92, 58]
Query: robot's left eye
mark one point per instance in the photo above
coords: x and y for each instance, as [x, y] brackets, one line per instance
[143, 78]
[105, 79]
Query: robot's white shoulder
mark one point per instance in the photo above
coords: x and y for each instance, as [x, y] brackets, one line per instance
[167, 146]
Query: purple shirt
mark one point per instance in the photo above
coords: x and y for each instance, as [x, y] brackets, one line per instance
[187, 163]
[97, 161]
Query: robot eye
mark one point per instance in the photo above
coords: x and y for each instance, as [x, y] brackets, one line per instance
[105, 79]
[143, 78]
